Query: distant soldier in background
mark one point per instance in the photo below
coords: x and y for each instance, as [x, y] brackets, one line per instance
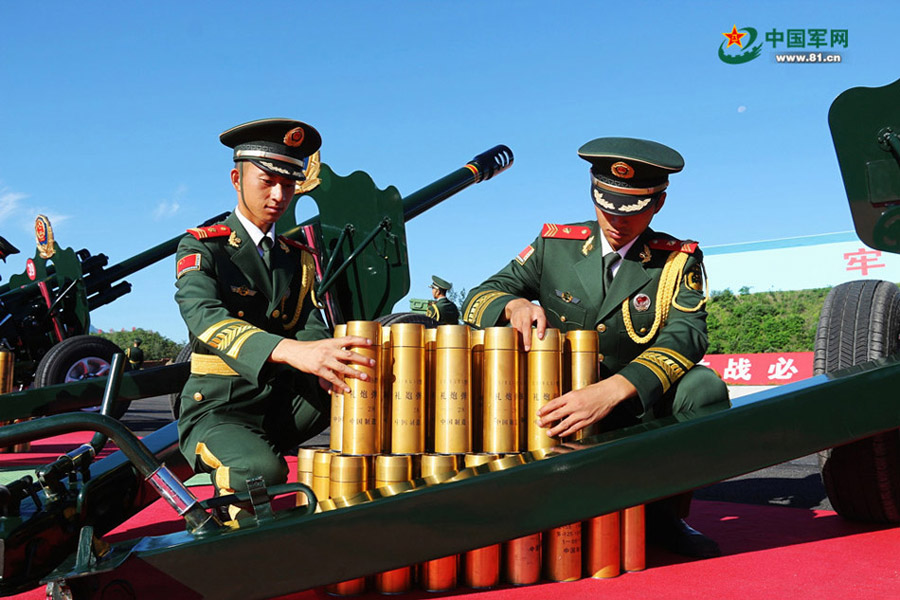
[441, 309]
[135, 356]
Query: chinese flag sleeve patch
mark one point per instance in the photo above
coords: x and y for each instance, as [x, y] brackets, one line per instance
[186, 264]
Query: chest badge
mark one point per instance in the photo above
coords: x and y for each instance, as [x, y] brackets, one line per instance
[567, 297]
[641, 302]
[243, 290]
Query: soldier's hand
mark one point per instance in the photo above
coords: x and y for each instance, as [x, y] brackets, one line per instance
[521, 315]
[330, 359]
[577, 409]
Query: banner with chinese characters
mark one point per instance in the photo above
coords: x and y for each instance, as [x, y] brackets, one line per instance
[772, 368]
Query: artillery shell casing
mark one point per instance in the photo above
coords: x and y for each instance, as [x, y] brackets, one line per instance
[477, 459]
[440, 574]
[349, 474]
[430, 341]
[602, 547]
[452, 390]
[522, 380]
[522, 565]
[634, 556]
[501, 391]
[305, 458]
[322, 474]
[362, 405]
[393, 468]
[562, 553]
[408, 388]
[482, 567]
[337, 405]
[476, 343]
[580, 351]
[386, 380]
[7, 364]
[544, 384]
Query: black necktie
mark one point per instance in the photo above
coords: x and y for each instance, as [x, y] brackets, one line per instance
[266, 244]
[608, 261]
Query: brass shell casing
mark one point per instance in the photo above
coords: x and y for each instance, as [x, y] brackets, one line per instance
[500, 390]
[322, 474]
[430, 342]
[337, 405]
[482, 567]
[408, 388]
[476, 460]
[349, 474]
[452, 390]
[476, 343]
[393, 469]
[544, 383]
[437, 468]
[305, 458]
[562, 553]
[440, 574]
[523, 560]
[580, 351]
[602, 546]
[386, 380]
[634, 556]
[7, 363]
[362, 405]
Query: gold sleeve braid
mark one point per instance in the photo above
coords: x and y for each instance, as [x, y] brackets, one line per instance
[474, 311]
[666, 295]
[668, 366]
[229, 335]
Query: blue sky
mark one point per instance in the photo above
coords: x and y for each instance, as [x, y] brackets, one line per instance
[110, 114]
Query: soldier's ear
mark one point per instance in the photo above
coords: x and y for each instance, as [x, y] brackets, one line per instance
[236, 178]
[659, 203]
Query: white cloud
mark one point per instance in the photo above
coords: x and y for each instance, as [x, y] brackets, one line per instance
[742, 108]
[169, 207]
[9, 203]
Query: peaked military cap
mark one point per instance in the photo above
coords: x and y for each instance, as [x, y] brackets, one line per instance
[628, 175]
[440, 283]
[279, 146]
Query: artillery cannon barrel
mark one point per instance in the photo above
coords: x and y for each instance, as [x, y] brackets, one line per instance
[481, 168]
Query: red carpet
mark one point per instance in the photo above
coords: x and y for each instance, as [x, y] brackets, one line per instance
[769, 552]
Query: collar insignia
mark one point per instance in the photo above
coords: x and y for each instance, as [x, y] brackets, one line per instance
[645, 255]
[587, 246]
[233, 240]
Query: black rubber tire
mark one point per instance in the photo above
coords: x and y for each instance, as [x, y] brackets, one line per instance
[860, 321]
[408, 317]
[77, 358]
[184, 355]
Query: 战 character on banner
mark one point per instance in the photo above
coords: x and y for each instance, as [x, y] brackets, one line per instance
[262, 357]
[641, 290]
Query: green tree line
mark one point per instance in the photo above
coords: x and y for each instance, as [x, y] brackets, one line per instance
[155, 345]
[746, 323]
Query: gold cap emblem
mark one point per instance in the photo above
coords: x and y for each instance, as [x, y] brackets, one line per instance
[294, 137]
[622, 170]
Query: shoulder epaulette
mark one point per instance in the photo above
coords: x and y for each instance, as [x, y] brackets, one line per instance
[296, 244]
[565, 232]
[686, 246]
[213, 231]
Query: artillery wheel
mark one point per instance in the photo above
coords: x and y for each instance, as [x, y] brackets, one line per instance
[184, 355]
[408, 317]
[860, 321]
[75, 359]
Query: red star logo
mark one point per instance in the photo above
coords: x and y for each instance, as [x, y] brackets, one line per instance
[734, 37]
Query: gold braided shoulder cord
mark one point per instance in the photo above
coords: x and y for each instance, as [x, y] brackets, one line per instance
[308, 268]
[701, 303]
[665, 296]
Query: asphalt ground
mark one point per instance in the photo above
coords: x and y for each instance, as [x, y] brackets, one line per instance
[796, 483]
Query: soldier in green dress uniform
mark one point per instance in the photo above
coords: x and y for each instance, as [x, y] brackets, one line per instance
[643, 292]
[262, 356]
[135, 356]
[441, 309]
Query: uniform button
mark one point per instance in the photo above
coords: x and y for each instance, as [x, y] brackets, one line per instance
[600, 357]
[275, 313]
[643, 330]
[601, 328]
[240, 313]
[562, 318]
[198, 396]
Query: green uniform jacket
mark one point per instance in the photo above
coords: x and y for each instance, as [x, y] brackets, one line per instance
[565, 276]
[135, 357]
[237, 311]
[443, 311]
